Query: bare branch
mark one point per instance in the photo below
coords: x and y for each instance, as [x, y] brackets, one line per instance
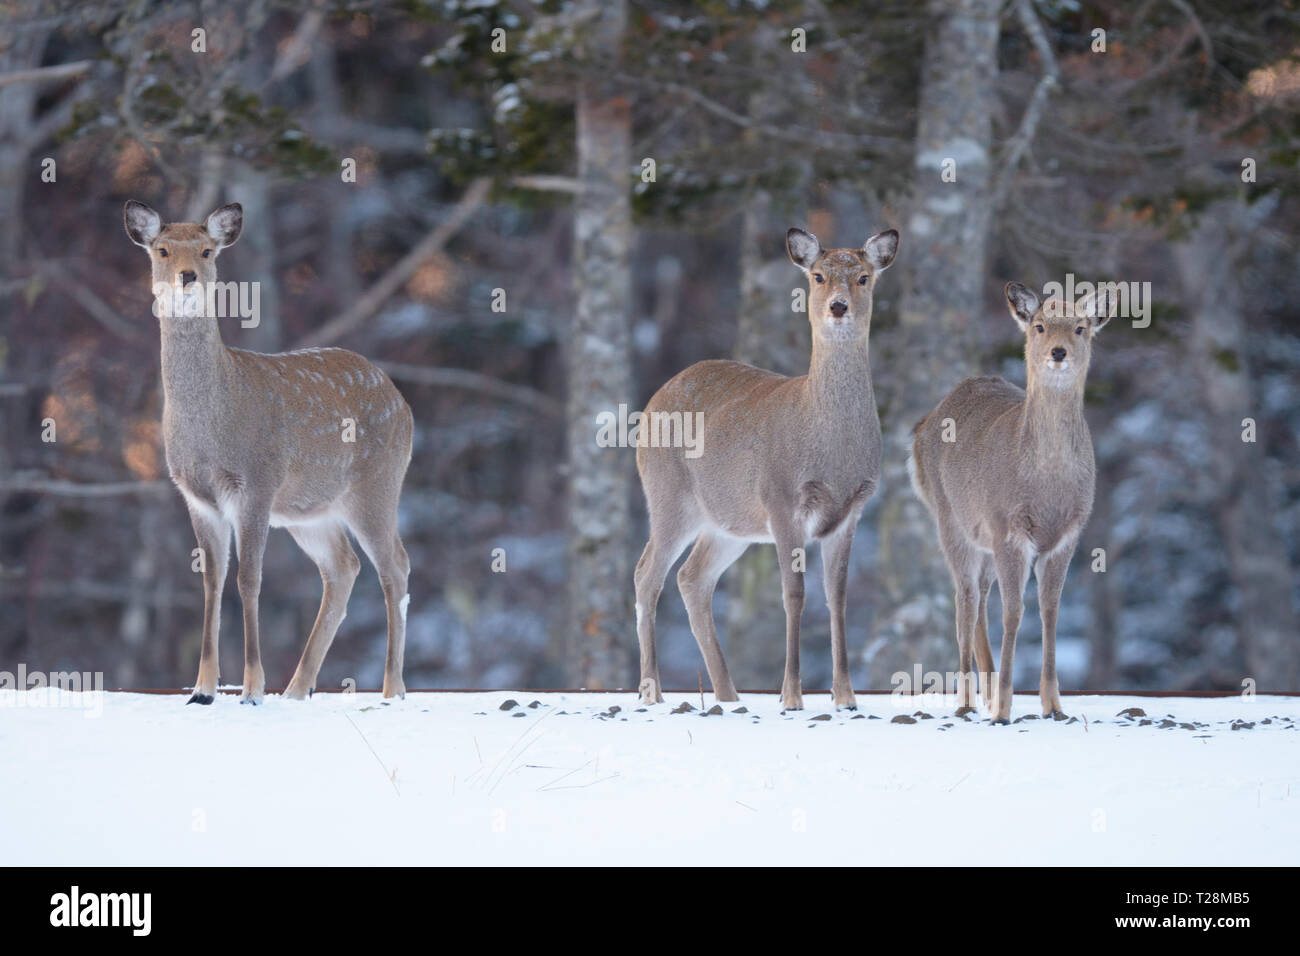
[475, 382]
[397, 276]
[40, 484]
[788, 134]
[297, 50]
[1186, 10]
[94, 306]
[546, 183]
[83, 590]
[1049, 81]
[46, 73]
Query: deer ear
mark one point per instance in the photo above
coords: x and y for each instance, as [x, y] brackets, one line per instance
[1096, 308]
[1023, 303]
[881, 248]
[142, 223]
[225, 224]
[804, 248]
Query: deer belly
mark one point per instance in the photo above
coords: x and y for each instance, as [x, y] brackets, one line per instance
[745, 527]
[292, 518]
[307, 503]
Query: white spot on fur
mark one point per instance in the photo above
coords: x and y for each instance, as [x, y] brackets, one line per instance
[406, 600]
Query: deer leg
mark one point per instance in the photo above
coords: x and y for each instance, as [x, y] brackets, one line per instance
[660, 552]
[649, 582]
[378, 537]
[789, 547]
[1051, 581]
[398, 596]
[983, 652]
[250, 543]
[338, 564]
[213, 536]
[835, 577]
[967, 608]
[1012, 563]
[963, 562]
[697, 580]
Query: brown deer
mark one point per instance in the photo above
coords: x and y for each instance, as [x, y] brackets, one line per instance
[316, 441]
[785, 460]
[1008, 474]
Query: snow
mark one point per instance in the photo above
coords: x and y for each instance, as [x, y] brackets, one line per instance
[450, 778]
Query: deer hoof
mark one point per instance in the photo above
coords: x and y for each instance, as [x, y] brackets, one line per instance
[199, 699]
[296, 691]
[1000, 721]
[649, 691]
[963, 711]
[249, 700]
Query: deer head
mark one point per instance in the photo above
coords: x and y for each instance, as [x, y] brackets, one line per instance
[840, 282]
[1058, 335]
[183, 253]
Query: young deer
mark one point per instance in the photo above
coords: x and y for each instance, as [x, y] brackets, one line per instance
[783, 460]
[1008, 475]
[315, 441]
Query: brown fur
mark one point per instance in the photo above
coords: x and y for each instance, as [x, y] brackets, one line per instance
[255, 441]
[1016, 483]
[784, 460]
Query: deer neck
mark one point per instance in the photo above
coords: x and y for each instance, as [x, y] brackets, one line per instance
[1052, 422]
[839, 379]
[195, 362]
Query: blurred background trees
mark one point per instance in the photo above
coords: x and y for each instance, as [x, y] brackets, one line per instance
[558, 205]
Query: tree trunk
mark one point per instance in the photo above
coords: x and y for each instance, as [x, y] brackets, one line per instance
[1209, 265]
[252, 188]
[943, 247]
[1103, 588]
[600, 369]
[769, 335]
[21, 50]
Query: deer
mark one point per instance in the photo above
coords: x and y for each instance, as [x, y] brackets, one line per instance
[1008, 475]
[784, 460]
[316, 441]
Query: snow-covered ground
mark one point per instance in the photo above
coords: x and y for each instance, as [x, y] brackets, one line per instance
[590, 778]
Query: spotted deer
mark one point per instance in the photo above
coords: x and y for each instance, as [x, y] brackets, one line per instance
[1008, 475]
[782, 460]
[316, 441]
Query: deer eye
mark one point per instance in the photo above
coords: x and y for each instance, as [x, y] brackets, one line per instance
[862, 280]
[1078, 330]
[819, 277]
[163, 253]
[1038, 327]
[206, 253]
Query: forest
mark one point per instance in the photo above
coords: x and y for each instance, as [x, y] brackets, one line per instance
[533, 213]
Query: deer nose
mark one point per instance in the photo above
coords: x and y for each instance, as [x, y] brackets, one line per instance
[838, 308]
[1058, 354]
[187, 277]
